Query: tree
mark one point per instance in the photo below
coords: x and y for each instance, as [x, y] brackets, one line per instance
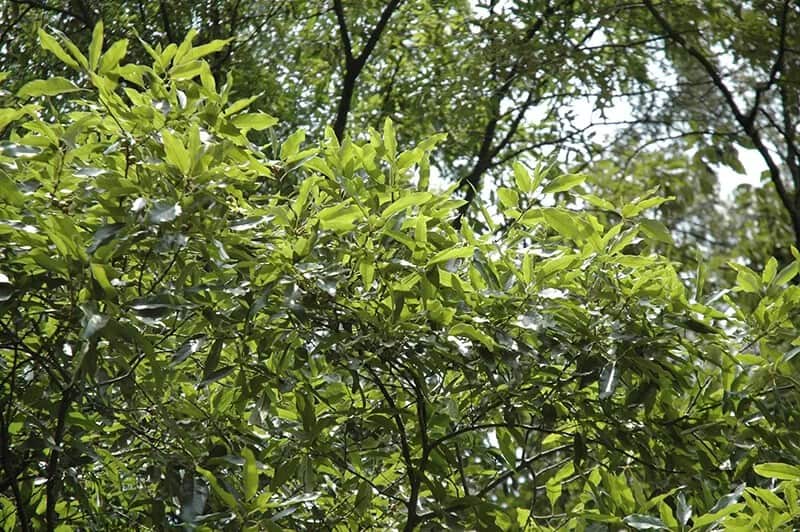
[204, 332]
[738, 65]
[500, 80]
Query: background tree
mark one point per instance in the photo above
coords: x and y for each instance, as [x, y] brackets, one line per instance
[737, 67]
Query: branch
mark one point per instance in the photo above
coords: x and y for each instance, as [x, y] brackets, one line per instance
[741, 118]
[53, 476]
[405, 448]
[355, 65]
[60, 10]
[777, 66]
[343, 31]
[372, 41]
[165, 21]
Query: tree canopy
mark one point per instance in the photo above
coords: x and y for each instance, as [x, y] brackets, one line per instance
[212, 318]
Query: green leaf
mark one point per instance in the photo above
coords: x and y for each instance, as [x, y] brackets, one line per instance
[215, 375]
[188, 70]
[451, 254]
[563, 183]
[600, 203]
[656, 230]
[609, 378]
[96, 46]
[629, 211]
[711, 517]
[176, 154]
[291, 145]
[99, 275]
[469, 331]
[746, 279]
[404, 202]
[212, 361]
[206, 49]
[189, 347]
[50, 44]
[111, 59]
[49, 87]
[562, 221]
[508, 197]
[644, 522]
[770, 270]
[522, 178]
[185, 46]
[787, 274]
[224, 495]
[778, 470]
[250, 474]
[257, 121]
[389, 139]
[240, 105]
[340, 218]
[93, 321]
[73, 50]
[164, 212]
[9, 193]
[507, 447]
[684, 509]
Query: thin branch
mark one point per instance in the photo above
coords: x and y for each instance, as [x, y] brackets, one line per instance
[777, 66]
[164, 12]
[53, 473]
[344, 33]
[53, 9]
[355, 65]
[405, 449]
[741, 118]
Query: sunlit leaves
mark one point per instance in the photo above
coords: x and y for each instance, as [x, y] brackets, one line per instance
[563, 183]
[176, 152]
[275, 338]
[96, 46]
[257, 121]
[746, 279]
[50, 44]
[50, 87]
[778, 470]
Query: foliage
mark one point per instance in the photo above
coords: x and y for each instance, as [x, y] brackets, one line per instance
[203, 332]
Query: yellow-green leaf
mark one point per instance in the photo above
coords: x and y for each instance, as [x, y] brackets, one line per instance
[96, 47]
[508, 197]
[239, 105]
[746, 280]
[787, 274]
[257, 121]
[50, 44]
[176, 153]
[250, 474]
[450, 254]
[778, 470]
[404, 202]
[469, 331]
[115, 53]
[47, 87]
[206, 49]
[389, 139]
[563, 183]
[770, 270]
[562, 221]
[521, 177]
[187, 70]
